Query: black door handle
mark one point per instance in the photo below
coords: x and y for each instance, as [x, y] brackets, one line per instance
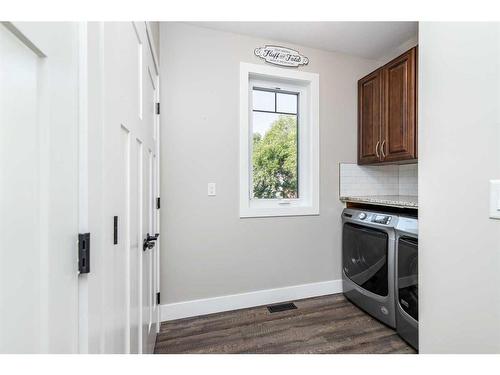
[149, 241]
[152, 238]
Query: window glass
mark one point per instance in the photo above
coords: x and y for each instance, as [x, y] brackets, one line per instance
[263, 100]
[286, 103]
[275, 153]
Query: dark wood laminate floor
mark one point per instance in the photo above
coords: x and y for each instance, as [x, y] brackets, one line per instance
[329, 324]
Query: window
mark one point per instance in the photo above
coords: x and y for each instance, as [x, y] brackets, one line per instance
[279, 156]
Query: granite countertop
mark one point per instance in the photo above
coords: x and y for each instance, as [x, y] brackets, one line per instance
[403, 201]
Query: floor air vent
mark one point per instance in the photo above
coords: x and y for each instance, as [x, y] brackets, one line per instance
[281, 307]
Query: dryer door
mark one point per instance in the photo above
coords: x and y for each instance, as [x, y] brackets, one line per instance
[407, 282]
[364, 257]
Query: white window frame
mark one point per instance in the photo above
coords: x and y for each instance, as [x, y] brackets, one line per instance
[307, 84]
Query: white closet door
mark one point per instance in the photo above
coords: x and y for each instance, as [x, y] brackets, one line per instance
[38, 187]
[122, 288]
[149, 90]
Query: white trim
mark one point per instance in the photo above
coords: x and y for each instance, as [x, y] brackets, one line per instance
[205, 306]
[310, 84]
[152, 48]
[83, 181]
[158, 194]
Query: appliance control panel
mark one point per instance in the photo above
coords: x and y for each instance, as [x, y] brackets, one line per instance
[381, 219]
[369, 217]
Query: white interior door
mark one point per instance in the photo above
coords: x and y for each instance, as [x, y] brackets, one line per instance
[38, 187]
[122, 285]
[149, 119]
[120, 123]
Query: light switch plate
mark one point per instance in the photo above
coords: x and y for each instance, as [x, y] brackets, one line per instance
[495, 199]
[211, 189]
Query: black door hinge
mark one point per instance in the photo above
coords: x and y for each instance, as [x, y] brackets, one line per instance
[157, 108]
[158, 203]
[84, 252]
[158, 298]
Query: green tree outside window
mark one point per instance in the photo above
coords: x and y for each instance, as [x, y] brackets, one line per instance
[275, 160]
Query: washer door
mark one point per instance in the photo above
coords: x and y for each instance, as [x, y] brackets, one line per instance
[364, 257]
[408, 275]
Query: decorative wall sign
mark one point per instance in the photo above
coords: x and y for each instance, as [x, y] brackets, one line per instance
[281, 56]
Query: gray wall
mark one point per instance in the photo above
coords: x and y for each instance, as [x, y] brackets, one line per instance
[459, 151]
[207, 250]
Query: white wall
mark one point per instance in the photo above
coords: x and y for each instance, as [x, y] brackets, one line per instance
[207, 250]
[459, 151]
[402, 48]
[155, 31]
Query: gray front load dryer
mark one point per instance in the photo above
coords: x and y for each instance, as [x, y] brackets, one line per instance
[407, 280]
[368, 246]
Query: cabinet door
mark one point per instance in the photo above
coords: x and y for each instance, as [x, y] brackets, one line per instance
[399, 103]
[369, 117]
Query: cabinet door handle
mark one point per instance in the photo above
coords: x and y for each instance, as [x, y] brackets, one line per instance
[382, 149]
[376, 150]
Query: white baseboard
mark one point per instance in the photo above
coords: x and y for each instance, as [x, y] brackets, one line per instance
[205, 306]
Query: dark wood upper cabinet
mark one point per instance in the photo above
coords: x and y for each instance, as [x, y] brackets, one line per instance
[387, 112]
[369, 117]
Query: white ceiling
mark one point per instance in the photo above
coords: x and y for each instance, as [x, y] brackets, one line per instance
[371, 40]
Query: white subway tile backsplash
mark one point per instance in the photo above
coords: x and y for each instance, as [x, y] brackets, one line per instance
[358, 180]
[408, 179]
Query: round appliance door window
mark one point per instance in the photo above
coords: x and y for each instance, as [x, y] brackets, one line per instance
[364, 257]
